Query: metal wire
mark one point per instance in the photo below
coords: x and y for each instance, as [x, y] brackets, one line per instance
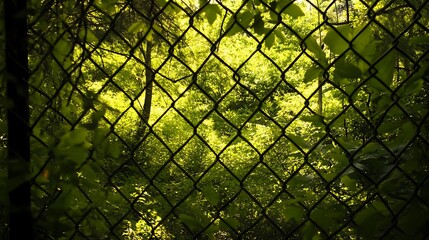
[146, 170]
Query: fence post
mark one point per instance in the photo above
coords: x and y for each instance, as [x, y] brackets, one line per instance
[17, 74]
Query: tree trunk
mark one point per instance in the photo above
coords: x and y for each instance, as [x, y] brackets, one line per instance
[149, 78]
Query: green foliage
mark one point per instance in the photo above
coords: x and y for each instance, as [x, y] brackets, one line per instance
[234, 145]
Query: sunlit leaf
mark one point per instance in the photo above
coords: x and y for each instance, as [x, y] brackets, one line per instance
[280, 5]
[363, 39]
[269, 40]
[107, 5]
[244, 18]
[311, 44]
[258, 24]
[312, 73]
[337, 42]
[294, 11]
[279, 34]
[212, 11]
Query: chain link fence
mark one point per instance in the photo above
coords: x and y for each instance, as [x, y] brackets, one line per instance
[229, 119]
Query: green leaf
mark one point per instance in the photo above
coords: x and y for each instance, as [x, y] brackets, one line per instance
[375, 84]
[349, 182]
[231, 222]
[385, 68]
[371, 147]
[294, 212]
[363, 39]
[37, 78]
[336, 42]
[211, 195]
[412, 87]
[269, 40]
[115, 149]
[279, 34]
[381, 207]
[367, 219]
[408, 130]
[161, 3]
[87, 35]
[388, 127]
[212, 11]
[312, 73]
[294, 11]
[62, 49]
[323, 218]
[346, 70]
[244, 18]
[280, 5]
[315, 119]
[212, 229]
[75, 137]
[420, 41]
[191, 222]
[258, 24]
[136, 27]
[312, 45]
[309, 231]
[274, 17]
[298, 140]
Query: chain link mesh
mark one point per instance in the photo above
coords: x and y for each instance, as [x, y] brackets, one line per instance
[228, 119]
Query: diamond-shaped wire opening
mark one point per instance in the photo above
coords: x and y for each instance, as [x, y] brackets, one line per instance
[239, 162]
[258, 76]
[219, 186]
[169, 125]
[235, 209]
[287, 213]
[382, 128]
[283, 159]
[218, 142]
[261, 132]
[264, 228]
[329, 215]
[194, 105]
[240, 100]
[305, 184]
[184, 183]
[195, 157]
[264, 194]
[208, 75]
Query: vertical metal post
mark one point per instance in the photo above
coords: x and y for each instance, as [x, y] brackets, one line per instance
[17, 74]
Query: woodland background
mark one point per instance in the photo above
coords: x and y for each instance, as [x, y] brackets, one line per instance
[233, 119]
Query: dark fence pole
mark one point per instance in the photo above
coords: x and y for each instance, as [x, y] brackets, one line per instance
[20, 219]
